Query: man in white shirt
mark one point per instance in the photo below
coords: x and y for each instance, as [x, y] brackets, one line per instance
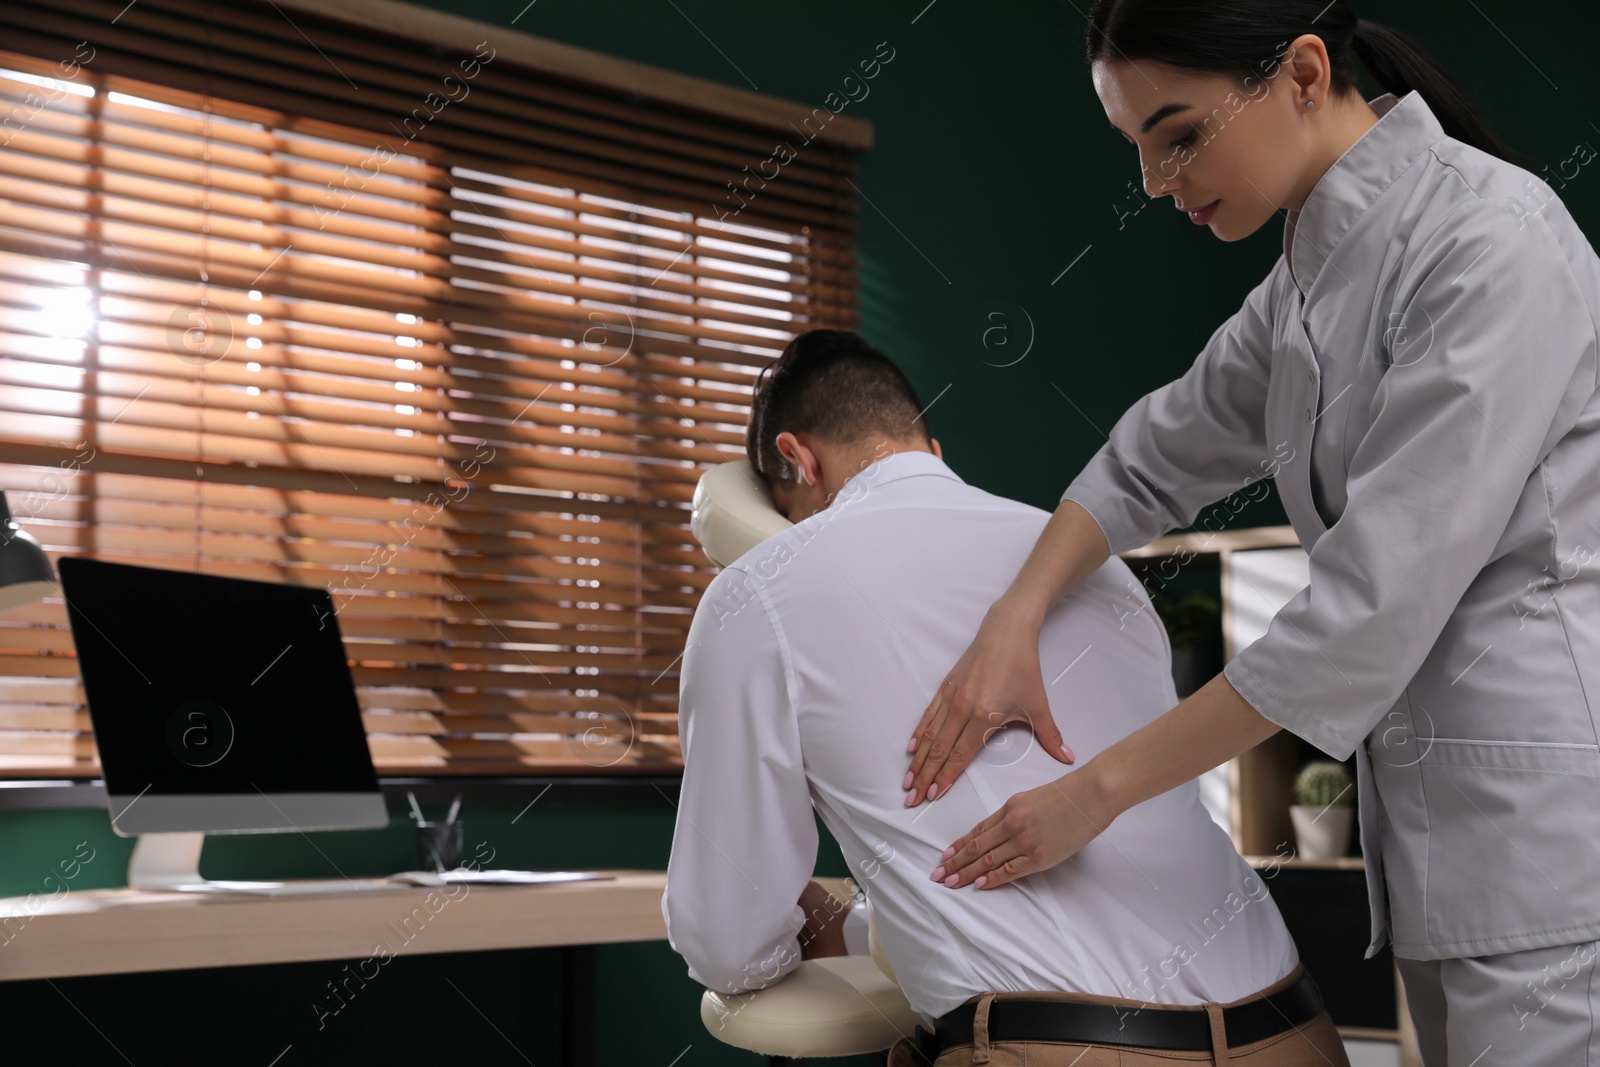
[808, 664]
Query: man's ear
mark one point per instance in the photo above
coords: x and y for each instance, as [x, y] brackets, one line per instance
[807, 467]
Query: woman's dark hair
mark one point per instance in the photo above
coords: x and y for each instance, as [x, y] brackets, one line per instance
[1249, 37]
[833, 384]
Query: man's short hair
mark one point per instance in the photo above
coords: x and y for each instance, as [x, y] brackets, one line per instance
[832, 384]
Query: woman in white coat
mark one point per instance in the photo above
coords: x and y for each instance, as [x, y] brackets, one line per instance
[1418, 373]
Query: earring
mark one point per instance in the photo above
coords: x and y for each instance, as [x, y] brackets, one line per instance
[1311, 103]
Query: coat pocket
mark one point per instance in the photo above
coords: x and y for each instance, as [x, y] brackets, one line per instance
[1510, 861]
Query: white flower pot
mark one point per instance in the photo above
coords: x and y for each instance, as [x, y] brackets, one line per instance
[1321, 833]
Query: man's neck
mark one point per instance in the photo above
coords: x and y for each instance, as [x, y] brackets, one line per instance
[871, 452]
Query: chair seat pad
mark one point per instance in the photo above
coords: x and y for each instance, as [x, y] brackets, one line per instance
[836, 1006]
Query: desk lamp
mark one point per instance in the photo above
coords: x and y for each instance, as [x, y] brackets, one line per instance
[25, 573]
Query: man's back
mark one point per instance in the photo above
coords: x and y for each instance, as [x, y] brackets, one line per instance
[869, 603]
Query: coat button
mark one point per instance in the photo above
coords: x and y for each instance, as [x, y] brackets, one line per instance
[1308, 414]
[1311, 376]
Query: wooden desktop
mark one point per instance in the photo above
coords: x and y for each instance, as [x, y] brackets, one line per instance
[114, 931]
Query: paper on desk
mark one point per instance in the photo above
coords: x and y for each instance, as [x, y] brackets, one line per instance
[495, 876]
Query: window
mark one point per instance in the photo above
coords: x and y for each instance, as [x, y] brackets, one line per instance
[445, 328]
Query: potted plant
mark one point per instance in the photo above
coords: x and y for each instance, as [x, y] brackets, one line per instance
[1193, 633]
[1322, 816]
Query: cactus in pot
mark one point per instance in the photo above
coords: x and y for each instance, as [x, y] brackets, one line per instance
[1323, 783]
[1323, 815]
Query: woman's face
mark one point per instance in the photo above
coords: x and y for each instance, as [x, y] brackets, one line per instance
[1248, 148]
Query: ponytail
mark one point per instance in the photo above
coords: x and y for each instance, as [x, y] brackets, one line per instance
[1246, 37]
[1399, 65]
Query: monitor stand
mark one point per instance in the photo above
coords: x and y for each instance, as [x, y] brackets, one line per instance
[170, 862]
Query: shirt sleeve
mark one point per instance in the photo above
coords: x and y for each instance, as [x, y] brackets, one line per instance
[745, 841]
[1192, 441]
[1455, 435]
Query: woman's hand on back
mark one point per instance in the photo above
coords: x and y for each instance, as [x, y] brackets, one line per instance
[1033, 831]
[996, 681]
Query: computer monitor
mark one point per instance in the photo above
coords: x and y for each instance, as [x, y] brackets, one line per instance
[219, 705]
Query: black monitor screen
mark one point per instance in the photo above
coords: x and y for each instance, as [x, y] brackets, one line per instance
[198, 684]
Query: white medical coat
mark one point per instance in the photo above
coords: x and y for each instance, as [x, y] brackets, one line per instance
[1418, 372]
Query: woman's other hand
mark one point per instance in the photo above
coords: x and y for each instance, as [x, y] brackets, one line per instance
[996, 681]
[1033, 831]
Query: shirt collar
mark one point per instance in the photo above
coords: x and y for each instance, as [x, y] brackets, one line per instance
[1406, 128]
[898, 465]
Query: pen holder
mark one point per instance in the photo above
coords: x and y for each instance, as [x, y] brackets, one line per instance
[439, 845]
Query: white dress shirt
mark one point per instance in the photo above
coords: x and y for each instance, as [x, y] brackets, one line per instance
[1418, 373]
[807, 666]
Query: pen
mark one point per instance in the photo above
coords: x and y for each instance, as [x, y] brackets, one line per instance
[416, 809]
[455, 806]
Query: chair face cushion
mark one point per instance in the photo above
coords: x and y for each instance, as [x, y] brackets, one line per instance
[733, 512]
[838, 1006]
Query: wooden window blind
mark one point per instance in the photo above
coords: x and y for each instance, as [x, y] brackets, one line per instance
[437, 326]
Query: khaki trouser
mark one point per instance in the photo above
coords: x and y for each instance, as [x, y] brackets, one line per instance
[1314, 1043]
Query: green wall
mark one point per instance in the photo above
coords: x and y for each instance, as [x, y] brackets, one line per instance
[993, 170]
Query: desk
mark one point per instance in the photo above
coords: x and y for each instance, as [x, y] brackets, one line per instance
[117, 931]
